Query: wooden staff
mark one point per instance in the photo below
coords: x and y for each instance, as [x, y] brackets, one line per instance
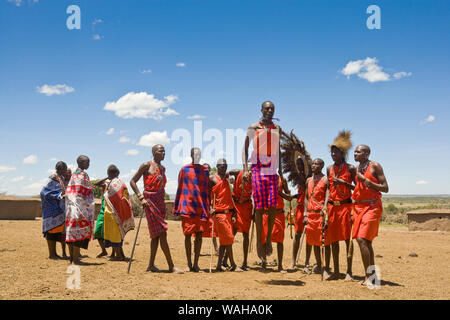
[212, 233]
[350, 247]
[253, 226]
[300, 245]
[291, 221]
[134, 245]
[322, 247]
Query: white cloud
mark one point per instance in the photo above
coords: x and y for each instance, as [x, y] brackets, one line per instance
[367, 69]
[51, 171]
[58, 89]
[31, 159]
[4, 169]
[110, 131]
[72, 167]
[96, 36]
[146, 71]
[97, 21]
[181, 64]
[421, 182]
[128, 175]
[17, 179]
[402, 74]
[18, 3]
[53, 159]
[132, 152]
[429, 119]
[196, 117]
[171, 186]
[142, 105]
[154, 137]
[124, 139]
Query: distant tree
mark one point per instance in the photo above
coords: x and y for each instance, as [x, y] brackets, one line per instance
[98, 191]
[166, 196]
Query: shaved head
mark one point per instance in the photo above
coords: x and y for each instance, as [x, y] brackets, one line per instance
[365, 148]
[221, 161]
[267, 104]
[156, 147]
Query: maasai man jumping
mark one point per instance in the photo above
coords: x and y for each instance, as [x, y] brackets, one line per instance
[192, 203]
[153, 202]
[370, 182]
[118, 219]
[317, 197]
[53, 209]
[242, 193]
[340, 177]
[80, 209]
[224, 214]
[265, 160]
[280, 223]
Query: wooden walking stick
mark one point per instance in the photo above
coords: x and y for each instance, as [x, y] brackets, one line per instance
[322, 247]
[134, 245]
[350, 247]
[300, 245]
[253, 227]
[212, 233]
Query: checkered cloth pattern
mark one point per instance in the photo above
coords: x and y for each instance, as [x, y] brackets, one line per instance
[264, 187]
[156, 214]
[192, 194]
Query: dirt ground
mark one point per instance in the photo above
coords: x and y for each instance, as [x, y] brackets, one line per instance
[26, 273]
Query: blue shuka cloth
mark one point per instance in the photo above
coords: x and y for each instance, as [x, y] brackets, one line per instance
[53, 205]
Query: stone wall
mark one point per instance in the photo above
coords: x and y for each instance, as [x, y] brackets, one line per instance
[14, 208]
[429, 220]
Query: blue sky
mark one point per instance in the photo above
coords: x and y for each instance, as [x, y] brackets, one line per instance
[219, 60]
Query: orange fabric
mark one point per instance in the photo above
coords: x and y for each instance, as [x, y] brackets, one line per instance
[278, 228]
[192, 225]
[317, 200]
[222, 194]
[367, 219]
[243, 203]
[208, 225]
[242, 193]
[363, 192]
[339, 222]
[299, 210]
[340, 192]
[367, 215]
[280, 200]
[222, 222]
[156, 181]
[314, 230]
[57, 229]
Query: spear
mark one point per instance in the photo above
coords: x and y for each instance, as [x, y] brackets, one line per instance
[134, 245]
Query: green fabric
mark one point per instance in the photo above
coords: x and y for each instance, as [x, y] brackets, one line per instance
[98, 233]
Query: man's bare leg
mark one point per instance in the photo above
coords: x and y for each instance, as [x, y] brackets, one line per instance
[259, 246]
[318, 268]
[76, 255]
[101, 242]
[295, 248]
[166, 250]
[63, 247]
[197, 250]
[245, 246]
[367, 256]
[335, 252]
[234, 267]
[326, 270]
[188, 247]
[153, 249]
[216, 247]
[280, 249]
[272, 212]
[349, 274]
[220, 258]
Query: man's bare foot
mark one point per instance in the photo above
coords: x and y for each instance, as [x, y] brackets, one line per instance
[317, 270]
[281, 270]
[176, 270]
[236, 269]
[245, 267]
[153, 269]
[326, 274]
[334, 276]
[348, 277]
[196, 269]
[54, 257]
[64, 257]
[291, 266]
[260, 249]
[219, 269]
[102, 254]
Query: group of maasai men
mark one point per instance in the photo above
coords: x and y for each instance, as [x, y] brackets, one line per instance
[342, 205]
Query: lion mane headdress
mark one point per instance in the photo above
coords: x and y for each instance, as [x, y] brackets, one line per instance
[296, 161]
[343, 142]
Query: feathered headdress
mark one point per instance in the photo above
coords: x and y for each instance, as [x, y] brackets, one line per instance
[343, 141]
[296, 161]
